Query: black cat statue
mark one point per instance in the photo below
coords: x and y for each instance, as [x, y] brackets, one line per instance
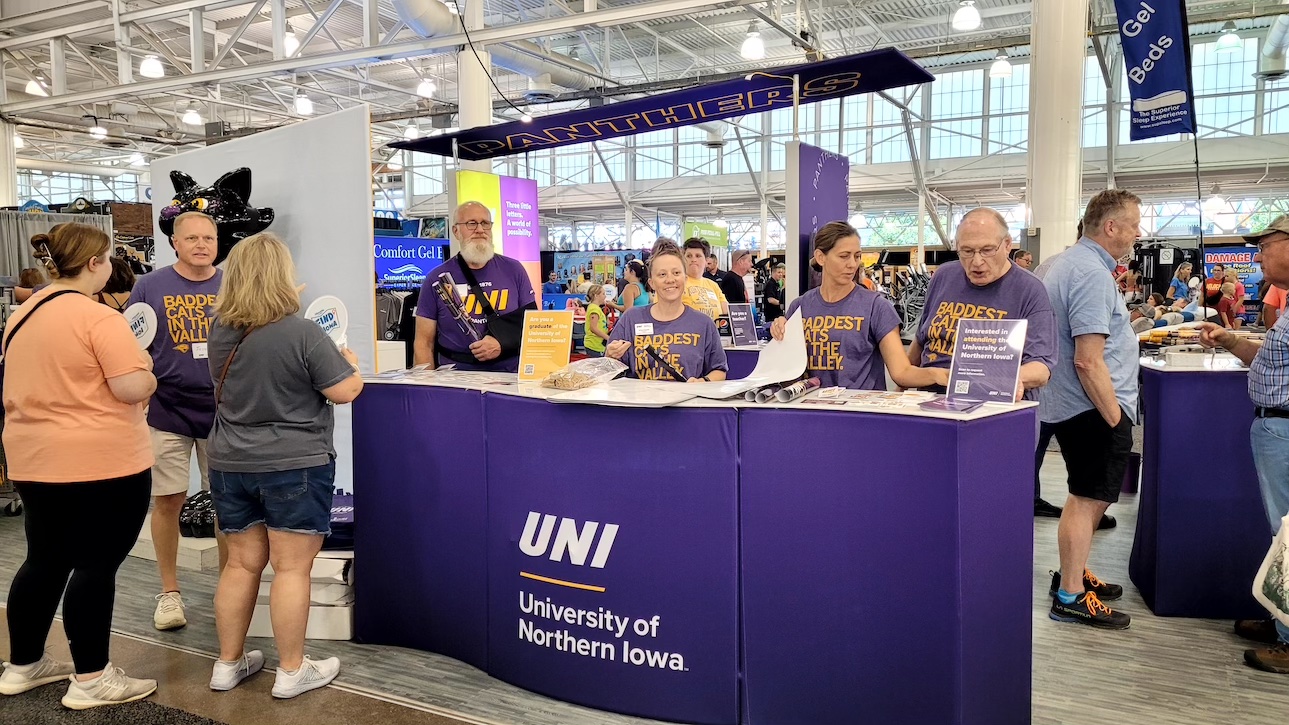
[225, 201]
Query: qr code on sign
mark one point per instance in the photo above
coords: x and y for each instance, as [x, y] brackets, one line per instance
[530, 369]
[962, 387]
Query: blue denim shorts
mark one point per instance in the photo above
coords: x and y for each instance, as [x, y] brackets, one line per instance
[297, 501]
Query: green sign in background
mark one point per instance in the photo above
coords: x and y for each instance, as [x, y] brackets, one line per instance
[716, 236]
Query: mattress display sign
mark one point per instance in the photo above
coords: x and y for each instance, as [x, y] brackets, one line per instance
[1157, 55]
[403, 262]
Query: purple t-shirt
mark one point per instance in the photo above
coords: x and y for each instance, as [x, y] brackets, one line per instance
[184, 403]
[690, 343]
[842, 337]
[1017, 295]
[508, 287]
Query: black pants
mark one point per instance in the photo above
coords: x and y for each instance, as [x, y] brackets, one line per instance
[81, 531]
[1045, 433]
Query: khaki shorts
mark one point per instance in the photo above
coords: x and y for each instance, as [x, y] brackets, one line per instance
[173, 453]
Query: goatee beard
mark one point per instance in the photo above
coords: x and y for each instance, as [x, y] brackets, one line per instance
[477, 254]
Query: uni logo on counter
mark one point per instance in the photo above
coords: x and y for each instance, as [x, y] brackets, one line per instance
[569, 539]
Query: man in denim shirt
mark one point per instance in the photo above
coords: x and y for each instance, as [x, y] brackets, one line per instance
[1269, 437]
[1091, 401]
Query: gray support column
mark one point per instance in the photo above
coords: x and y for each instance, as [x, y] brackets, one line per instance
[1055, 183]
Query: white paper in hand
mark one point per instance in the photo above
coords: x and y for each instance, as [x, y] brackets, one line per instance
[143, 323]
[779, 361]
[332, 316]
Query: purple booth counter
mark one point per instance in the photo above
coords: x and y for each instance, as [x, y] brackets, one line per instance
[742, 360]
[1202, 530]
[726, 564]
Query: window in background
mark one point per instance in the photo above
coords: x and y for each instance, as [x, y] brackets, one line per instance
[1094, 97]
[732, 158]
[889, 144]
[573, 165]
[957, 95]
[1009, 112]
[854, 140]
[695, 157]
[1227, 78]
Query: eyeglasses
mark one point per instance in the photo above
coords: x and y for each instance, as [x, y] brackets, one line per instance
[986, 253]
[475, 226]
[1262, 246]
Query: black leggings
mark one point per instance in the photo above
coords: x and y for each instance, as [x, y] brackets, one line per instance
[82, 531]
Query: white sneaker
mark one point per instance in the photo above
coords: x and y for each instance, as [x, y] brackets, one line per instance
[310, 676]
[110, 688]
[227, 675]
[170, 611]
[20, 678]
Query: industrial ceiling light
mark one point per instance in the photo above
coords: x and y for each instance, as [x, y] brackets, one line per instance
[1216, 201]
[966, 18]
[303, 105]
[411, 132]
[97, 131]
[191, 117]
[720, 220]
[150, 67]
[290, 43]
[1002, 67]
[18, 142]
[426, 88]
[1230, 41]
[526, 118]
[753, 47]
[36, 88]
[136, 159]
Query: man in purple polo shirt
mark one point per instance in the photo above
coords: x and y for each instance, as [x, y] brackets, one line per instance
[182, 411]
[440, 339]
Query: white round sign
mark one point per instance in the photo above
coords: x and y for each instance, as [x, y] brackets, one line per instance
[143, 323]
[332, 316]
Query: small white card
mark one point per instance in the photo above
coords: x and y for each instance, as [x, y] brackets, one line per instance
[199, 351]
[644, 328]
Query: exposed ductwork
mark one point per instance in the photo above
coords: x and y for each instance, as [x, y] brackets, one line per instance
[62, 167]
[1272, 63]
[544, 69]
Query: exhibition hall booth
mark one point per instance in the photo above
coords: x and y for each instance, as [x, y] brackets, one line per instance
[1202, 528]
[721, 563]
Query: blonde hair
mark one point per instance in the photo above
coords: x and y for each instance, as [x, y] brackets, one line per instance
[1183, 271]
[1227, 287]
[259, 283]
[1232, 275]
[193, 215]
[592, 291]
[66, 248]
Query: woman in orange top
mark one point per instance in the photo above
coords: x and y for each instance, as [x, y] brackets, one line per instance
[75, 382]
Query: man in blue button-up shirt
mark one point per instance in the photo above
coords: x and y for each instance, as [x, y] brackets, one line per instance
[1091, 402]
[1269, 437]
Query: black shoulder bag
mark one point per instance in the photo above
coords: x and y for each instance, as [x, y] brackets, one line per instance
[508, 329]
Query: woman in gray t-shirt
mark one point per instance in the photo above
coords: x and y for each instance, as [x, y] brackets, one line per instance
[272, 463]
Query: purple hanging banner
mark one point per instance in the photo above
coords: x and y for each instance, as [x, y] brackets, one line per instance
[818, 192]
[753, 93]
[1157, 53]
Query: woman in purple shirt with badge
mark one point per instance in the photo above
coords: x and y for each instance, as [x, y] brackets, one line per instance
[846, 324]
[667, 340]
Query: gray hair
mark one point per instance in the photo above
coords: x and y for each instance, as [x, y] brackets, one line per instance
[990, 213]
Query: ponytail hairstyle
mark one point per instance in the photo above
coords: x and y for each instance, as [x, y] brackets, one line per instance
[592, 291]
[66, 249]
[828, 236]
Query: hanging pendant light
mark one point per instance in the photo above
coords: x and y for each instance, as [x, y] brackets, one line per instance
[966, 18]
[290, 43]
[411, 132]
[303, 105]
[191, 117]
[36, 88]
[1230, 42]
[1002, 67]
[151, 67]
[426, 88]
[753, 47]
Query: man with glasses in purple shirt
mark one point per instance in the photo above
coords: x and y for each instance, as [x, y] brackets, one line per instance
[440, 339]
[985, 284]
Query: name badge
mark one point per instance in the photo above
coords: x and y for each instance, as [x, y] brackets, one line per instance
[463, 290]
[199, 351]
[644, 328]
